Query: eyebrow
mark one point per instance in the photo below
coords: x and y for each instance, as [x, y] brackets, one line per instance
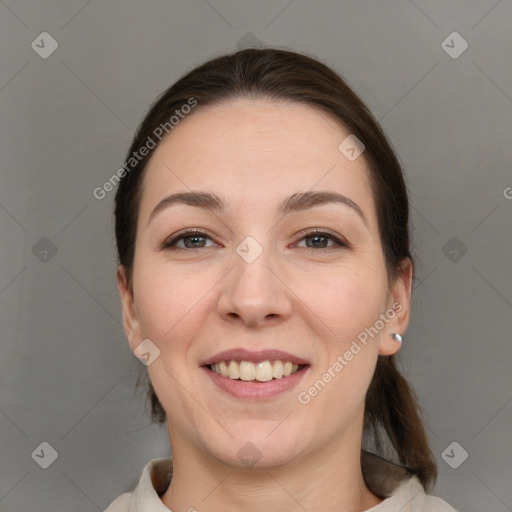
[296, 202]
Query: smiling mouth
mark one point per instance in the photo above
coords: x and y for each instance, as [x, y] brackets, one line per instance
[248, 371]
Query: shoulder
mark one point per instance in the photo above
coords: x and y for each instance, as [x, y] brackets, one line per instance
[153, 482]
[400, 489]
[120, 504]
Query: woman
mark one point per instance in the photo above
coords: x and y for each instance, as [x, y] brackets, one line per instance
[265, 278]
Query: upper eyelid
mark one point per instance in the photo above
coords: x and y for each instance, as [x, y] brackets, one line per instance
[186, 234]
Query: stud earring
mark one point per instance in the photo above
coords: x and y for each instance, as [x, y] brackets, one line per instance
[396, 337]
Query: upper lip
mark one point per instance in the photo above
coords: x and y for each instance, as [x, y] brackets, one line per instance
[240, 354]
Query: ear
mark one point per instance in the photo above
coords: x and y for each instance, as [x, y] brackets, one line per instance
[398, 312]
[130, 318]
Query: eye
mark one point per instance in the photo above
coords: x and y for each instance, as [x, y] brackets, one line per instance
[196, 239]
[319, 239]
[193, 239]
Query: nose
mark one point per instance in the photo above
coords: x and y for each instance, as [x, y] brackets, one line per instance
[255, 293]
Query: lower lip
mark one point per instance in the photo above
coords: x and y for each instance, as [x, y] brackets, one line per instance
[256, 390]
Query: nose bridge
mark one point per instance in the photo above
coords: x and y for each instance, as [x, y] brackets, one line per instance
[253, 292]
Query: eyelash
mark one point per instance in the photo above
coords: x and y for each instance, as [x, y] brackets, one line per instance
[340, 242]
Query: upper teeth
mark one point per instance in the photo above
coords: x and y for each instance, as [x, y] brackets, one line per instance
[247, 370]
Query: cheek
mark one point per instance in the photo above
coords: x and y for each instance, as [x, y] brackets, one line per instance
[348, 303]
[348, 300]
[167, 303]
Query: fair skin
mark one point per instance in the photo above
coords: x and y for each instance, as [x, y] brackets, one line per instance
[311, 302]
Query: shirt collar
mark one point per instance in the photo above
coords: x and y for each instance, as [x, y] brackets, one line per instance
[382, 477]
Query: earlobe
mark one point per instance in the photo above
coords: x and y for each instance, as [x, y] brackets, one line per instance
[400, 299]
[130, 319]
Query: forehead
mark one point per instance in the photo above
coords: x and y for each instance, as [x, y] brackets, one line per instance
[255, 152]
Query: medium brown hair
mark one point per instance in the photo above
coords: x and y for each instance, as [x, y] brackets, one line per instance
[391, 407]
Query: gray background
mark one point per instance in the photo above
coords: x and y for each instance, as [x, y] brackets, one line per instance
[66, 372]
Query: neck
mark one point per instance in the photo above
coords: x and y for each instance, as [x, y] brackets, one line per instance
[327, 480]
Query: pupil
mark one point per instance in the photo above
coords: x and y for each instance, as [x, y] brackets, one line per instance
[318, 238]
[193, 239]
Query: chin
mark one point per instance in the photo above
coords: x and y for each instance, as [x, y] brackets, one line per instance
[254, 448]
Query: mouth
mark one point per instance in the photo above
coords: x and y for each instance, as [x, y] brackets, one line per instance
[248, 371]
[255, 375]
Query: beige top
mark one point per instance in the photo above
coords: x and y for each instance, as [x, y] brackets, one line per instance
[401, 491]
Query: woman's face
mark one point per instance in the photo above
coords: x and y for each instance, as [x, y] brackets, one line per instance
[258, 279]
